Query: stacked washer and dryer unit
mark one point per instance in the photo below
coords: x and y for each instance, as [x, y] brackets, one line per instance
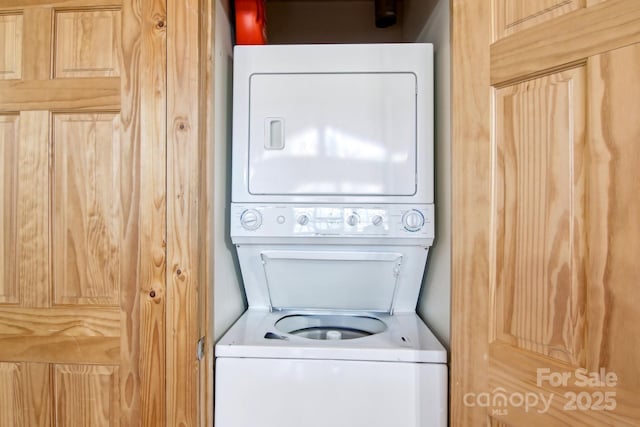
[332, 216]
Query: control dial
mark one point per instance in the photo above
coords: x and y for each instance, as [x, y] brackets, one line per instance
[353, 219]
[303, 219]
[377, 220]
[413, 220]
[251, 219]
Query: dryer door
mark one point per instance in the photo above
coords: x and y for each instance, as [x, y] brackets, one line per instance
[332, 133]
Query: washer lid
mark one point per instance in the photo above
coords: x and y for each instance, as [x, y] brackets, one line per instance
[332, 280]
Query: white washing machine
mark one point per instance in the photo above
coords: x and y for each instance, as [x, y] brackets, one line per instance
[332, 216]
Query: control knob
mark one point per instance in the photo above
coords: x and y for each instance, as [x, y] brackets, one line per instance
[251, 219]
[353, 219]
[303, 219]
[412, 220]
[377, 220]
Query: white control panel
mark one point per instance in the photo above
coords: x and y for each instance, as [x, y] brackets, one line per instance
[332, 220]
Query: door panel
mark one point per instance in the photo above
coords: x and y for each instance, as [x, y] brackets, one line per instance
[25, 395]
[88, 218]
[87, 43]
[540, 286]
[512, 16]
[9, 134]
[545, 295]
[73, 165]
[11, 46]
[58, 236]
[86, 395]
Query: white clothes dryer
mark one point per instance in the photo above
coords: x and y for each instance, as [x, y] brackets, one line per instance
[333, 124]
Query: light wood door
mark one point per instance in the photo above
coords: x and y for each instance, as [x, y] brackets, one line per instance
[546, 213]
[82, 219]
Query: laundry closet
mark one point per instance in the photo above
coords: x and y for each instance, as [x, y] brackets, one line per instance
[298, 22]
[323, 23]
[238, 377]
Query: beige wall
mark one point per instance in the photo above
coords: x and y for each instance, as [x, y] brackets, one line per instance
[434, 305]
[228, 295]
[415, 18]
[326, 22]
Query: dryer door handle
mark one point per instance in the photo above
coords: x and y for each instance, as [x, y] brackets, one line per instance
[274, 133]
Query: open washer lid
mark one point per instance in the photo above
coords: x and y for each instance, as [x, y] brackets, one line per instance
[331, 279]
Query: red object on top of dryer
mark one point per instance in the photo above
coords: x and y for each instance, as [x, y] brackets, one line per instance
[251, 22]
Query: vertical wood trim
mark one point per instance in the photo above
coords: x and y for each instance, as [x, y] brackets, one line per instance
[153, 110]
[33, 209]
[129, 272]
[206, 189]
[471, 206]
[143, 115]
[612, 224]
[37, 39]
[184, 154]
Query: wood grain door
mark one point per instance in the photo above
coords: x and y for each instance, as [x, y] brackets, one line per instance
[546, 213]
[82, 258]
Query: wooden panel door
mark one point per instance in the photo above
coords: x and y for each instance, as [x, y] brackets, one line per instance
[546, 228]
[82, 216]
